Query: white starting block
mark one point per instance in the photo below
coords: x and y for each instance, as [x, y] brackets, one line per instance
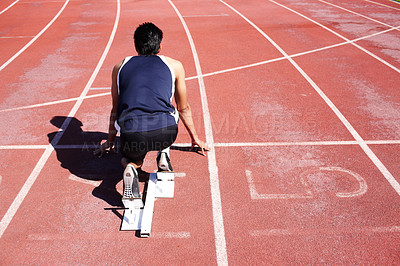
[139, 217]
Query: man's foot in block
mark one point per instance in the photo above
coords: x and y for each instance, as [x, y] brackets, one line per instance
[163, 162]
[131, 183]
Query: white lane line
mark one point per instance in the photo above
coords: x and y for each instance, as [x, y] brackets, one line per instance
[295, 55]
[305, 143]
[376, 3]
[340, 36]
[219, 231]
[100, 88]
[286, 143]
[382, 168]
[220, 144]
[357, 14]
[7, 8]
[15, 37]
[376, 142]
[35, 38]
[23, 147]
[12, 210]
[211, 73]
[201, 16]
[53, 102]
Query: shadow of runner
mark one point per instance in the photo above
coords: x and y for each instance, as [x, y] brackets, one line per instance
[75, 152]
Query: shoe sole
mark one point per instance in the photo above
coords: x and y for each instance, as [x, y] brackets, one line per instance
[131, 183]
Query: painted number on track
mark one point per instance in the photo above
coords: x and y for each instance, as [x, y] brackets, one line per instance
[307, 192]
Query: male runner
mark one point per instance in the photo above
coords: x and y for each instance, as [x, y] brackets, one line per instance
[142, 90]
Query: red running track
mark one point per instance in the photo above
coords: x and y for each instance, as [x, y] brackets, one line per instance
[298, 100]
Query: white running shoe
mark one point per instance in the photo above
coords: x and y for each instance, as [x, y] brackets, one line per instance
[131, 183]
[163, 162]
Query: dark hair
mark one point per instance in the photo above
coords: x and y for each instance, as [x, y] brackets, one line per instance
[147, 39]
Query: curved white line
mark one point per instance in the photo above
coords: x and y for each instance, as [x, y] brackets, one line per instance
[217, 72]
[219, 231]
[12, 210]
[295, 55]
[362, 189]
[340, 36]
[7, 8]
[35, 38]
[382, 168]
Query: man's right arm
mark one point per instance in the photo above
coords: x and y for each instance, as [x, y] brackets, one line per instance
[185, 112]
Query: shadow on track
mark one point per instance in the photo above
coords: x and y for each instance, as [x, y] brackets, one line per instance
[75, 153]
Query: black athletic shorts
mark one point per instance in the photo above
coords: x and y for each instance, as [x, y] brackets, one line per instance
[135, 145]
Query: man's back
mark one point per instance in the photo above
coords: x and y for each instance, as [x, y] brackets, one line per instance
[146, 87]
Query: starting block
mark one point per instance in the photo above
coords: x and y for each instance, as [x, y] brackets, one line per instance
[138, 216]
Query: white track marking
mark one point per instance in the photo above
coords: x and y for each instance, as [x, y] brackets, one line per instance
[5, 221]
[256, 196]
[53, 102]
[252, 187]
[382, 142]
[382, 168]
[376, 3]
[35, 38]
[180, 174]
[23, 147]
[340, 36]
[225, 144]
[202, 16]
[12, 210]
[321, 231]
[362, 184]
[358, 14]
[212, 73]
[7, 8]
[287, 143]
[16, 37]
[101, 88]
[170, 235]
[363, 187]
[295, 55]
[219, 231]
[305, 143]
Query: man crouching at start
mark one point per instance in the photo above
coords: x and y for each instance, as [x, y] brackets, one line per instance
[142, 90]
